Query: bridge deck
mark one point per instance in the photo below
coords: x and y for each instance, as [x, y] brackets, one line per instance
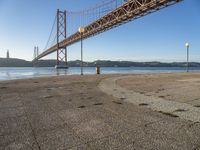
[131, 10]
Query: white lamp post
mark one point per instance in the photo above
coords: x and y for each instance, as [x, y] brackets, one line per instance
[81, 31]
[187, 45]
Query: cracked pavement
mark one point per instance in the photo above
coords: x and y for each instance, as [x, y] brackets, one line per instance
[71, 112]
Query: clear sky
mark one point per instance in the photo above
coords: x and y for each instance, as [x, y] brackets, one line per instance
[160, 36]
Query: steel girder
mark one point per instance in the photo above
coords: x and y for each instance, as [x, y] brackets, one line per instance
[131, 10]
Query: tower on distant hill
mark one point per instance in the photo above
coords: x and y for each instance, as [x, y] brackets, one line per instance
[7, 54]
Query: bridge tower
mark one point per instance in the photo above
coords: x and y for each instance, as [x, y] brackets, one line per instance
[35, 55]
[7, 54]
[61, 35]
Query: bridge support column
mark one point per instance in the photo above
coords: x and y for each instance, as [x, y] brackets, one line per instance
[35, 55]
[61, 35]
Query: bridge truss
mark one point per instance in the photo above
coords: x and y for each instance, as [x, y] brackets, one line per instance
[127, 11]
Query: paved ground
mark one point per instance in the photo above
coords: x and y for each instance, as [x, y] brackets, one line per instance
[72, 113]
[179, 87]
[135, 89]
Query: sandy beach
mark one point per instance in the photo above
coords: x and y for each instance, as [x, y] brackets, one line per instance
[122, 112]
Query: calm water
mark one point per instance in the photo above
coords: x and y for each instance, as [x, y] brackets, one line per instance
[20, 73]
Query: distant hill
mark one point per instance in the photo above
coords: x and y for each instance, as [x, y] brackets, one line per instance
[14, 62]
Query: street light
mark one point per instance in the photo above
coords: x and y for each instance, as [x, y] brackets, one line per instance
[187, 45]
[81, 31]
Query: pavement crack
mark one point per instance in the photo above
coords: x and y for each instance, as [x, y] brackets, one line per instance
[65, 124]
[32, 130]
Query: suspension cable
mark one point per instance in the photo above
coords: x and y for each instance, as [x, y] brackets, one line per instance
[50, 34]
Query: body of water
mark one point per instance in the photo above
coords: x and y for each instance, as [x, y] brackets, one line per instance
[10, 73]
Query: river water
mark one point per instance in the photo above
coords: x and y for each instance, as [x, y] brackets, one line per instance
[10, 73]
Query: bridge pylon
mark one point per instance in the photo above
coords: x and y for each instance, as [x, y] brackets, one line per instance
[35, 55]
[61, 35]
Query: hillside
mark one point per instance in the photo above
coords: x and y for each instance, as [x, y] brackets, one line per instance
[14, 62]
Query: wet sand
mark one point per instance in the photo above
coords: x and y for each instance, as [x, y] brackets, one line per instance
[73, 112]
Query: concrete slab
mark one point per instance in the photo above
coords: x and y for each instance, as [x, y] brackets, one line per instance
[79, 116]
[57, 139]
[190, 112]
[11, 112]
[45, 120]
[18, 141]
[86, 124]
[14, 125]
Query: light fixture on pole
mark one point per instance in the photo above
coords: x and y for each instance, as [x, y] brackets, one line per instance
[187, 45]
[81, 31]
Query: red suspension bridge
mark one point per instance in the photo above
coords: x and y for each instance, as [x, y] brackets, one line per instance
[105, 16]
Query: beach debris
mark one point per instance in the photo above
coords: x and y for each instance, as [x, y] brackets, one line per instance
[3, 87]
[143, 104]
[168, 114]
[52, 88]
[98, 104]
[197, 106]
[117, 102]
[162, 89]
[122, 98]
[180, 110]
[98, 70]
[48, 96]
[161, 96]
[82, 106]
[90, 97]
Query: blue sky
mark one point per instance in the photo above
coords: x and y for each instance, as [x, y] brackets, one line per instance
[157, 37]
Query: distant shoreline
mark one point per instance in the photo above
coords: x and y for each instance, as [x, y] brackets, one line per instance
[105, 67]
[14, 62]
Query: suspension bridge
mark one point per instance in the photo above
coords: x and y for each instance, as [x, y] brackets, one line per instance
[105, 16]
